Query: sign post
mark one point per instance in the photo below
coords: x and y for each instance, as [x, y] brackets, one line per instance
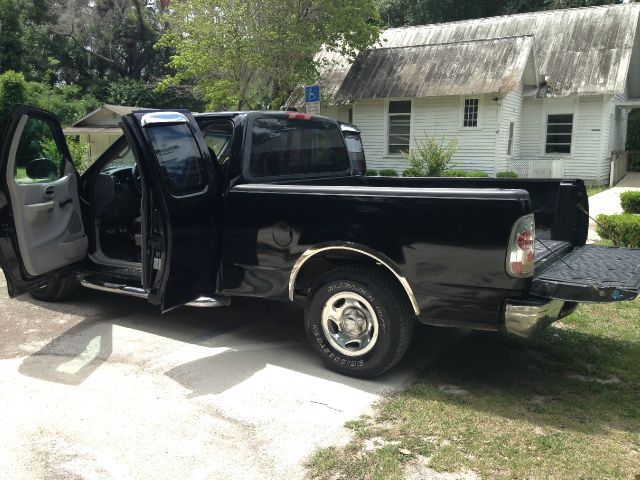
[312, 99]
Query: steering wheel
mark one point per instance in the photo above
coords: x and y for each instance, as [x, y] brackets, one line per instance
[136, 178]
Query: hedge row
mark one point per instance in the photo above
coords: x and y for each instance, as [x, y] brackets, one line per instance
[464, 173]
[506, 175]
[630, 202]
[623, 230]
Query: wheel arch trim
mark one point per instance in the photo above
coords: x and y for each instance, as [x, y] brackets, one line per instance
[357, 248]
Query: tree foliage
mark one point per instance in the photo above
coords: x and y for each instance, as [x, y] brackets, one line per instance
[69, 56]
[252, 53]
[113, 37]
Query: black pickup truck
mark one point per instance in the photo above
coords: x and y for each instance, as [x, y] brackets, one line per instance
[195, 209]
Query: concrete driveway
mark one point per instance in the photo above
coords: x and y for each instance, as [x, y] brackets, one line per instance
[608, 202]
[103, 387]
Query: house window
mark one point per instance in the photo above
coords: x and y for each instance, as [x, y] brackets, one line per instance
[510, 141]
[470, 112]
[559, 131]
[399, 135]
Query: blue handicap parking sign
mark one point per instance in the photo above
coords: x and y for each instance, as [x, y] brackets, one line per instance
[312, 93]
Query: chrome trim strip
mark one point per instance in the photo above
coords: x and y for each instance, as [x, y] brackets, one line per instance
[373, 191]
[156, 118]
[208, 302]
[352, 247]
[115, 288]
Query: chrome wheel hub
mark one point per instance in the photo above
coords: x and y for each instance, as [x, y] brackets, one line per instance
[350, 324]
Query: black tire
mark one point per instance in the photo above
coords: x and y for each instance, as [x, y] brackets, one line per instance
[394, 315]
[56, 291]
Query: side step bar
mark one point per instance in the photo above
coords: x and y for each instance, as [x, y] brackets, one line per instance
[122, 289]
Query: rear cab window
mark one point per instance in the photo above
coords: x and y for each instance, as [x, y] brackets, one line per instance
[295, 145]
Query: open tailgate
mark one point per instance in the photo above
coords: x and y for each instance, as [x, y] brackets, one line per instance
[592, 273]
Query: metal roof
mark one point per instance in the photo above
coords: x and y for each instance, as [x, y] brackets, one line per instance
[459, 68]
[583, 51]
[118, 110]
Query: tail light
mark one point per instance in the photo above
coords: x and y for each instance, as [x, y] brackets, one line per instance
[521, 252]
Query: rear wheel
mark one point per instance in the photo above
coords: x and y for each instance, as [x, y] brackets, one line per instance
[56, 291]
[359, 321]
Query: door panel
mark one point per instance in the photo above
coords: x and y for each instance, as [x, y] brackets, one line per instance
[182, 207]
[40, 206]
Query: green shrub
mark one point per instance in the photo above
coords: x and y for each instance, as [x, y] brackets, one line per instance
[409, 172]
[630, 202]
[506, 175]
[372, 173]
[464, 173]
[78, 149]
[623, 230]
[388, 172]
[430, 157]
[12, 90]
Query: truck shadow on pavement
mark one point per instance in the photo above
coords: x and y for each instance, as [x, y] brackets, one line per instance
[561, 380]
[245, 338]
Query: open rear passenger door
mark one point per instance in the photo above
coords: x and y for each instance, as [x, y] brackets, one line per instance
[181, 207]
[41, 230]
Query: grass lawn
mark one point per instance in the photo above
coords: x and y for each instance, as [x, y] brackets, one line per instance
[593, 189]
[564, 405]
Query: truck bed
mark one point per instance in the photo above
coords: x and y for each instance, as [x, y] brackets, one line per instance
[557, 204]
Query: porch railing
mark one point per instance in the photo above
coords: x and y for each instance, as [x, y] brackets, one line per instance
[537, 167]
[619, 166]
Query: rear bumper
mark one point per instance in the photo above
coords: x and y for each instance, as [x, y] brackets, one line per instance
[526, 317]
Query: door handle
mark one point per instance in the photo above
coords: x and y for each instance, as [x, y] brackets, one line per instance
[64, 203]
[49, 192]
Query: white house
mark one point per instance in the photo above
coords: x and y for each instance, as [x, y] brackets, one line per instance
[100, 128]
[544, 94]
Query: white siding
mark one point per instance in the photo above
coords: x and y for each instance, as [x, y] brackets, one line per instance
[437, 117]
[614, 128]
[586, 158]
[369, 116]
[532, 130]
[442, 118]
[510, 111]
[337, 112]
[485, 148]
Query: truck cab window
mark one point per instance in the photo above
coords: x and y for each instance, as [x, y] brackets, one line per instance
[218, 133]
[289, 146]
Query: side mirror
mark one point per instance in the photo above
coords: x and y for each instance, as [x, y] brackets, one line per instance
[41, 168]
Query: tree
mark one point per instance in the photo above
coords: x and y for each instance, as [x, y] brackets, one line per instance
[252, 53]
[13, 89]
[11, 32]
[113, 38]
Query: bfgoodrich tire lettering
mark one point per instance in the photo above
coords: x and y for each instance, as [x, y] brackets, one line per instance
[378, 321]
